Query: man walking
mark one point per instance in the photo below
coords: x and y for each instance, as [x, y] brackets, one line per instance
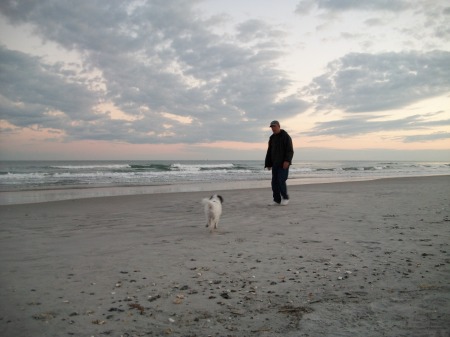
[278, 159]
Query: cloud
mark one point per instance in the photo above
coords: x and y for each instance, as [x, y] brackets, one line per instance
[361, 82]
[305, 6]
[362, 124]
[427, 138]
[258, 30]
[158, 72]
[420, 19]
[32, 93]
[154, 59]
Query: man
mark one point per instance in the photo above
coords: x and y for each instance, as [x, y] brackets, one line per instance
[278, 159]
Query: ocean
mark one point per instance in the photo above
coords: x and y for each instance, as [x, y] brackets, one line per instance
[40, 181]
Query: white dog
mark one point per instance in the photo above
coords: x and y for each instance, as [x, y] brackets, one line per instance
[213, 211]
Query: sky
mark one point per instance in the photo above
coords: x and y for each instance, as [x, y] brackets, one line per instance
[193, 79]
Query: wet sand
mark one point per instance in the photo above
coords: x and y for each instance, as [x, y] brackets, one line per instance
[344, 259]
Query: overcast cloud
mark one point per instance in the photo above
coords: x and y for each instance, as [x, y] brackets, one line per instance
[366, 83]
[154, 58]
[178, 74]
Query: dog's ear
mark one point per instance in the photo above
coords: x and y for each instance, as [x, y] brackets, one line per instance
[221, 199]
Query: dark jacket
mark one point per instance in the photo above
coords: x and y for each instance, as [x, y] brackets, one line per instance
[280, 149]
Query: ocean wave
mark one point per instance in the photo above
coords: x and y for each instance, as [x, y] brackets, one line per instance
[23, 175]
[150, 167]
[363, 168]
[302, 169]
[202, 167]
[91, 167]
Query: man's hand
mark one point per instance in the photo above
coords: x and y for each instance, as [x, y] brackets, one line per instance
[286, 165]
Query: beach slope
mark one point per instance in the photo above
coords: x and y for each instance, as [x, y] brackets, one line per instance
[344, 259]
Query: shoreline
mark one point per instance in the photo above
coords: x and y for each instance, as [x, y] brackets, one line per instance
[72, 193]
[368, 258]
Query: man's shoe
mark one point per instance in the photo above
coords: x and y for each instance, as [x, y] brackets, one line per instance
[273, 203]
[284, 202]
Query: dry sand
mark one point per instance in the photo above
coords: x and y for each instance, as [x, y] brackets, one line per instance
[346, 259]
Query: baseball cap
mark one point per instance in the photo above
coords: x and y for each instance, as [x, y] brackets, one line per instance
[274, 123]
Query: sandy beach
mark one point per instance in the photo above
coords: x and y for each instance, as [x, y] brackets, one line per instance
[367, 258]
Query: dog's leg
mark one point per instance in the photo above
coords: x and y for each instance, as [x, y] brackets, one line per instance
[210, 223]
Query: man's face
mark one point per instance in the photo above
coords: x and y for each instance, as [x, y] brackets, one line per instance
[275, 129]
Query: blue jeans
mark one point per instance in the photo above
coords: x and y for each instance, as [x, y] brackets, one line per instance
[279, 188]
